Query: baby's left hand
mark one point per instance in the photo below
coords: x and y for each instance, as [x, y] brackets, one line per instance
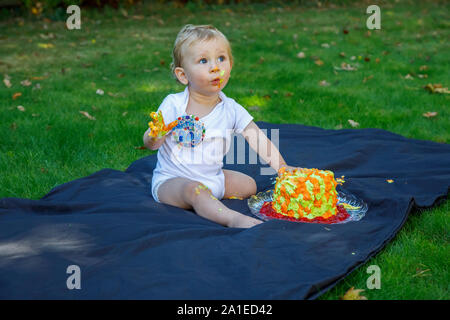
[288, 168]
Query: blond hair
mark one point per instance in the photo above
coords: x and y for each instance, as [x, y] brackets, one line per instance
[191, 34]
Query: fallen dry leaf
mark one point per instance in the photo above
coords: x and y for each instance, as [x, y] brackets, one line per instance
[345, 67]
[100, 92]
[430, 87]
[87, 115]
[16, 95]
[301, 55]
[7, 82]
[409, 77]
[367, 78]
[422, 273]
[39, 78]
[430, 114]
[353, 294]
[441, 90]
[47, 36]
[25, 83]
[45, 45]
[353, 123]
[436, 88]
[318, 62]
[21, 108]
[324, 83]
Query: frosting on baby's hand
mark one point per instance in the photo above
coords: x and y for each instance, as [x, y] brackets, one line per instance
[157, 126]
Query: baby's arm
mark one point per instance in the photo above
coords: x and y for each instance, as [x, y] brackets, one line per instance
[259, 142]
[151, 142]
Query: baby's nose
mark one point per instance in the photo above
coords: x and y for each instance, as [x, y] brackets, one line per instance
[215, 69]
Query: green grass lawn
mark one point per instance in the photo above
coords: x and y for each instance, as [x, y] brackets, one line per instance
[127, 55]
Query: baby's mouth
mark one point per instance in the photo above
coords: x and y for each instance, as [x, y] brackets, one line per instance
[218, 80]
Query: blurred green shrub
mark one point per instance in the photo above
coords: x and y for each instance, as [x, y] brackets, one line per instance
[37, 7]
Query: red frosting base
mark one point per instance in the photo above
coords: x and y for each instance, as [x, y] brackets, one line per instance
[269, 212]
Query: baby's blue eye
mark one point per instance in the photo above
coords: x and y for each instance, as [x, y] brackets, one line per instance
[203, 59]
[221, 58]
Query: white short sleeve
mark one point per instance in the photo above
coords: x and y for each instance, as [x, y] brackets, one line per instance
[242, 118]
[168, 109]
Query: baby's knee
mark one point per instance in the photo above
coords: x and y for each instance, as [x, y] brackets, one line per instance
[252, 188]
[192, 190]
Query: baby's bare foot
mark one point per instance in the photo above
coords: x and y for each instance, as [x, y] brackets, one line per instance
[240, 220]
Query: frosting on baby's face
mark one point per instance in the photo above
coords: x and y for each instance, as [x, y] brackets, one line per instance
[206, 66]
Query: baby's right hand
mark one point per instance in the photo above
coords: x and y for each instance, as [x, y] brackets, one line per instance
[158, 128]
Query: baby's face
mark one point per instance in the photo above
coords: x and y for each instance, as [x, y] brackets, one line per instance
[207, 66]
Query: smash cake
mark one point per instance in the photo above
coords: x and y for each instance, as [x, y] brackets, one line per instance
[307, 195]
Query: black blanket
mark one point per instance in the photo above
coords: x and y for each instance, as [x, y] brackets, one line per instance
[127, 246]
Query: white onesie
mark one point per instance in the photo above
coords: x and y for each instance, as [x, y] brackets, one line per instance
[196, 147]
